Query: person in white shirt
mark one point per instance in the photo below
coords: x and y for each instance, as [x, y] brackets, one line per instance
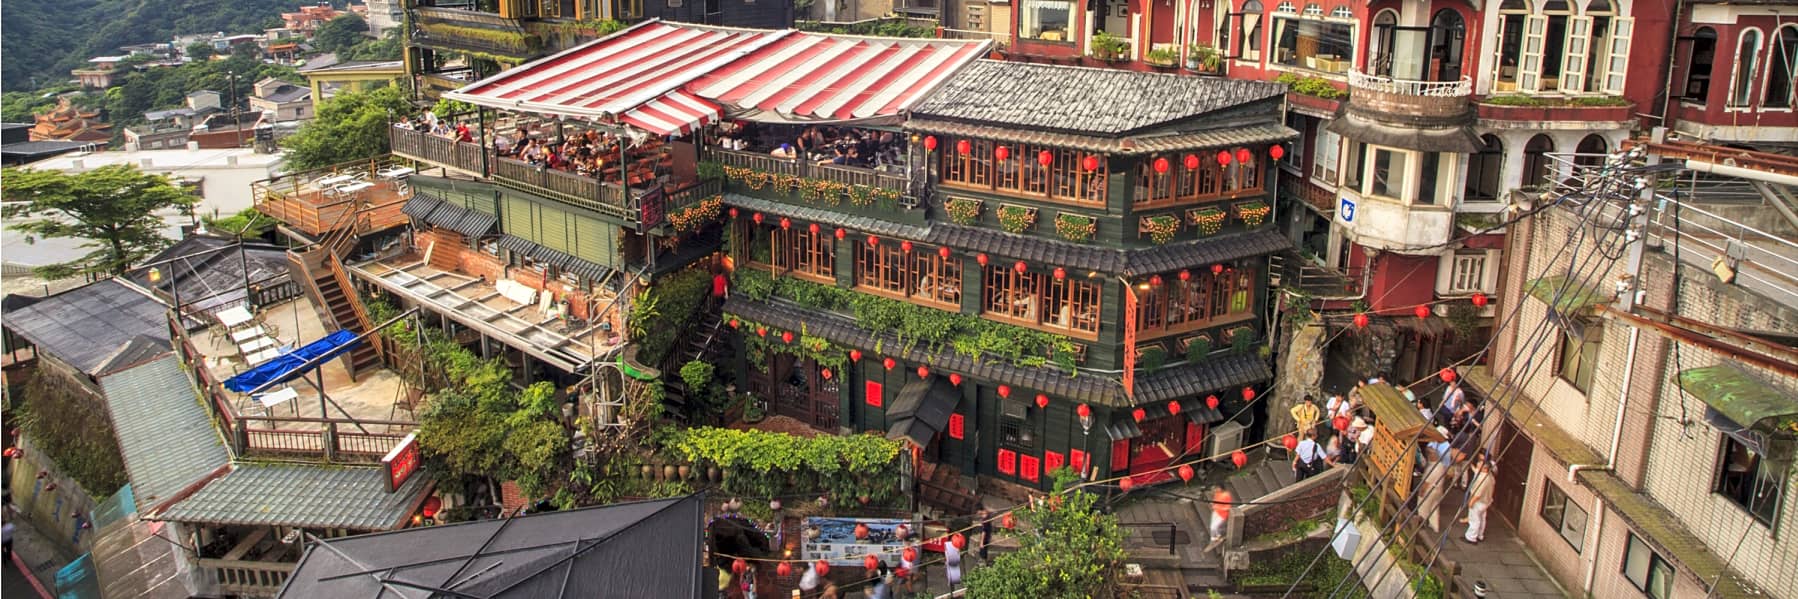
[1308, 457]
[1433, 489]
[1479, 500]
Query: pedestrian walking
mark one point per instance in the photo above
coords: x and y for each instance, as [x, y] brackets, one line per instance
[1479, 500]
[986, 533]
[1433, 489]
[1305, 416]
[1308, 457]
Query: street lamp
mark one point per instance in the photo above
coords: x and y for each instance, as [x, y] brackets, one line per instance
[1085, 412]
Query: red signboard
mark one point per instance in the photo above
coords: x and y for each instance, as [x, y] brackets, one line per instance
[1008, 461]
[1028, 465]
[955, 426]
[874, 394]
[1077, 461]
[1053, 460]
[1195, 438]
[402, 462]
[1120, 455]
[1129, 342]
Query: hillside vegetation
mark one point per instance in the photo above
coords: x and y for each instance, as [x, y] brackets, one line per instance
[46, 38]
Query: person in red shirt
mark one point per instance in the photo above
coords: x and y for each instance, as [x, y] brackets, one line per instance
[720, 286]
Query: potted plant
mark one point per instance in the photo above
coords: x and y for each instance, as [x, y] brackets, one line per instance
[962, 210]
[1204, 59]
[1074, 227]
[1167, 57]
[1160, 228]
[1109, 48]
[1016, 219]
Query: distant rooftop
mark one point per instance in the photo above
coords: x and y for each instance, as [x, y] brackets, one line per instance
[353, 66]
[166, 159]
[85, 326]
[1083, 100]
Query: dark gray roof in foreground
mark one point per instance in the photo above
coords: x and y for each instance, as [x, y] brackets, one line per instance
[85, 326]
[305, 495]
[1102, 101]
[164, 433]
[1219, 373]
[217, 278]
[625, 550]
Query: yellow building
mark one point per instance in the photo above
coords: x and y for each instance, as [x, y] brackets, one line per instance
[356, 75]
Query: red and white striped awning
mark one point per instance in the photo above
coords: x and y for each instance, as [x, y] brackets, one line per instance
[668, 78]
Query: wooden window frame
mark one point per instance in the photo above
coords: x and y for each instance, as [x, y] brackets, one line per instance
[1181, 185]
[873, 274]
[799, 252]
[980, 170]
[1042, 302]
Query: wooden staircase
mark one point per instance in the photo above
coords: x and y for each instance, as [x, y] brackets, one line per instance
[702, 334]
[320, 270]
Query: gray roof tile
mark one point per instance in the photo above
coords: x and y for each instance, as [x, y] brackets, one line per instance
[1232, 137]
[1108, 102]
[306, 495]
[86, 325]
[165, 434]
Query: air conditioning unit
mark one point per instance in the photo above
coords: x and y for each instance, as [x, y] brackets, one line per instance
[1224, 438]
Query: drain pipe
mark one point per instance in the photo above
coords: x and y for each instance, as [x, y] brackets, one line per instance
[1629, 368]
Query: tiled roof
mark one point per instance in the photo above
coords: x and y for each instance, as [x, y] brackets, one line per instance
[1108, 102]
[288, 93]
[1128, 262]
[304, 495]
[1252, 135]
[426, 206]
[1177, 382]
[165, 434]
[86, 325]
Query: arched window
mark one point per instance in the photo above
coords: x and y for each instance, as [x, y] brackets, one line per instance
[1538, 169]
[1783, 60]
[1313, 10]
[1748, 54]
[1251, 30]
[1384, 27]
[1484, 170]
[1590, 152]
[1287, 7]
[1598, 7]
[1448, 35]
[1513, 14]
[1698, 68]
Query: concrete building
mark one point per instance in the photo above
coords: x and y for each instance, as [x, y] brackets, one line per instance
[281, 101]
[356, 75]
[100, 73]
[1646, 389]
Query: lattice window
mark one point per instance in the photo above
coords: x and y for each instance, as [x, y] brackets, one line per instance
[938, 279]
[975, 168]
[1011, 294]
[1070, 304]
[1467, 272]
[882, 267]
[801, 251]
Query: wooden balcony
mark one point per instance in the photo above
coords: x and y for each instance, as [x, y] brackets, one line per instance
[247, 578]
[1301, 188]
[314, 202]
[421, 145]
[806, 169]
[472, 31]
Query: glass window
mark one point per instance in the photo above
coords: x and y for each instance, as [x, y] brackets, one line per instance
[1329, 148]
[1510, 48]
[1314, 44]
[1388, 176]
[1579, 357]
[1747, 60]
[1185, 305]
[1038, 299]
[1562, 514]
[1357, 162]
[1251, 27]
[1428, 176]
[1483, 170]
[1538, 168]
[1698, 69]
[1022, 171]
[1645, 569]
[1749, 481]
[1049, 20]
[1784, 62]
[798, 250]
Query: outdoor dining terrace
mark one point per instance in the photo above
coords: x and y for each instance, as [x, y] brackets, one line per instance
[367, 194]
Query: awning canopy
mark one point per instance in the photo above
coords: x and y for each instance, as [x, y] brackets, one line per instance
[556, 258]
[1749, 408]
[291, 365]
[426, 207]
[922, 409]
[669, 78]
[1565, 296]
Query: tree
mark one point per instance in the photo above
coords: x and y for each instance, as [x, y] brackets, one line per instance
[350, 126]
[1066, 549]
[389, 47]
[480, 426]
[339, 34]
[199, 51]
[113, 207]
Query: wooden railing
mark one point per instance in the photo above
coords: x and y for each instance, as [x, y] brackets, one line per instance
[572, 188]
[694, 193]
[298, 202]
[253, 579]
[332, 439]
[421, 145]
[807, 169]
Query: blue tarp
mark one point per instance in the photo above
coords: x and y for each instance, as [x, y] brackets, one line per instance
[290, 365]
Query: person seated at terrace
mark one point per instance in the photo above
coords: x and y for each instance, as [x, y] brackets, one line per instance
[502, 144]
[784, 151]
[463, 135]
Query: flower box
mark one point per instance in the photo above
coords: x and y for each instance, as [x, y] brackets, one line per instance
[1209, 220]
[1075, 228]
[962, 211]
[1016, 219]
[1160, 228]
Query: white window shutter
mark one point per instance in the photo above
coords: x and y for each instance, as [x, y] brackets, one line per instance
[1621, 30]
[1529, 65]
[1576, 49]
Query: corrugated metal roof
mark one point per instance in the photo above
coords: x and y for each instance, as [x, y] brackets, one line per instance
[86, 325]
[1108, 102]
[306, 495]
[165, 435]
[428, 208]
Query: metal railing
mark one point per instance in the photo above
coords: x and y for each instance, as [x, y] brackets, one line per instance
[804, 168]
[1411, 87]
[247, 578]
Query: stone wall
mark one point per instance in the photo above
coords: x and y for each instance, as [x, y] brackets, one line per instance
[1277, 511]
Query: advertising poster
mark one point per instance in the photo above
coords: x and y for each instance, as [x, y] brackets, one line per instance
[836, 542]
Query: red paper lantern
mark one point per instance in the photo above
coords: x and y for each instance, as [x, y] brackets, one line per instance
[943, 252]
[981, 258]
[855, 355]
[1289, 442]
[888, 363]
[1125, 484]
[959, 541]
[1479, 300]
[1361, 321]
[1155, 280]
[813, 228]
[1239, 458]
[1004, 390]
[1217, 269]
[1173, 408]
[955, 379]
[1021, 267]
[734, 323]
[1185, 275]
[824, 372]
[1186, 473]
[1083, 411]
[963, 147]
[1277, 152]
[870, 562]
[1042, 401]
[1161, 165]
[431, 506]
[822, 568]
[905, 246]
[1002, 153]
[733, 212]
[1223, 157]
[873, 241]
[1211, 401]
[1191, 162]
[784, 569]
[761, 331]
[861, 531]
[910, 554]
[786, 337]
[1009, 521]
[1422, 311]
[1248, 394]
[1243, 155]
[1447, 374]
[1045, 158]
[841, 233]
[1340, 423]
[930, 143]
[1091, 163]
[923, 372]
[740, 566]
[1139, 414]
[757, 218]
[1060, 273]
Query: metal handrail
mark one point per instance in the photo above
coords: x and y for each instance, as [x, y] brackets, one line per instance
[1411, 87]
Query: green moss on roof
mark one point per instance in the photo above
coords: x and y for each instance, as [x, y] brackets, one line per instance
[1742, 398]
[1670, 538]
[1573, 297]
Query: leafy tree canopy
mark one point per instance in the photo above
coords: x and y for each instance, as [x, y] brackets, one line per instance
[481, 426]
[339, 34]
[389, 47]
[114, 208]
[350, 126]
[46, 38]
[1066, 549]
[200, 51]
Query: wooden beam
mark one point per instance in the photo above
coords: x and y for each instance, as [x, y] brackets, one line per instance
[1708, 343]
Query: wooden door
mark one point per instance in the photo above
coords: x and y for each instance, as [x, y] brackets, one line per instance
[1513, 472]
